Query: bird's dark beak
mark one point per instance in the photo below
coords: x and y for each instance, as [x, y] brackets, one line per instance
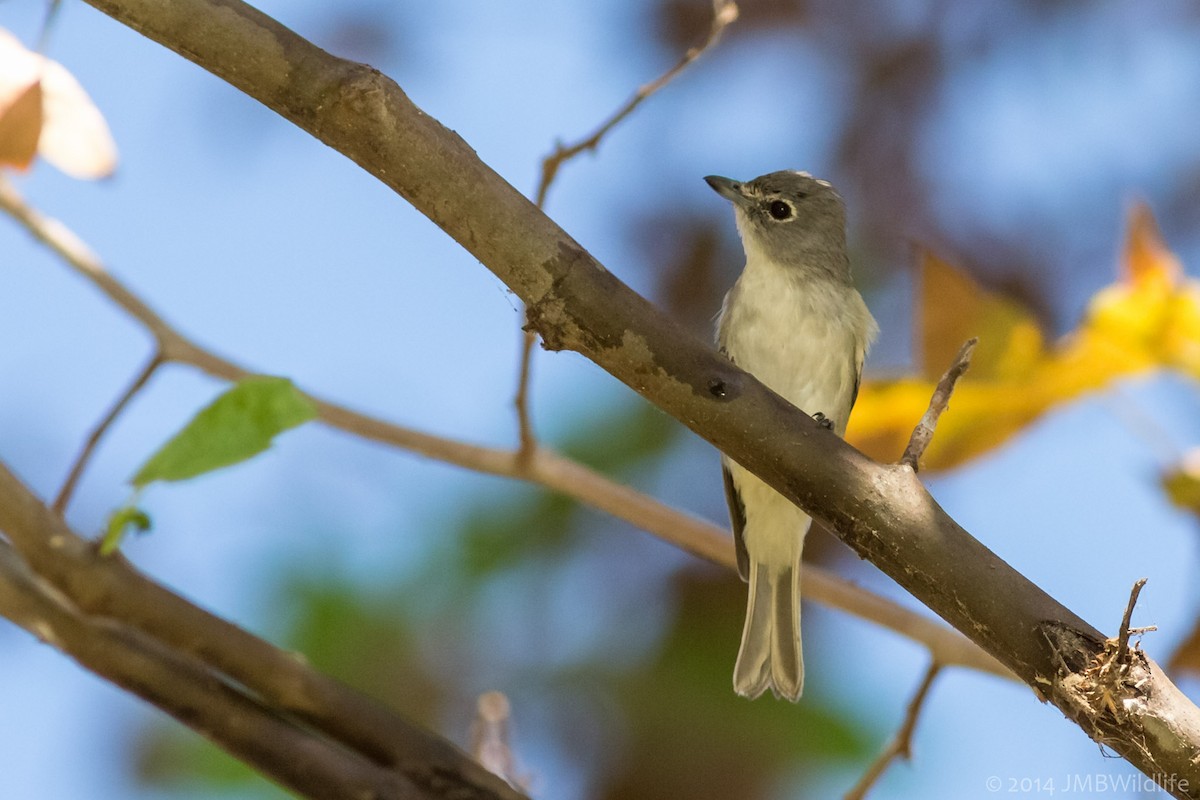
[728, 188]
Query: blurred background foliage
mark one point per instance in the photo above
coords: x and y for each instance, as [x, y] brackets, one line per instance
[988, 154]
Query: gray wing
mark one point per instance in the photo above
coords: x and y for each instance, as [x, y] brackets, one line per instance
[858, 364]
[737, 517]
[859, 356]
[737, 509]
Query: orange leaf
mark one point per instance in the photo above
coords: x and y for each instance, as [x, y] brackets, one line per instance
[73, 135]
[1187, 657]
[1151, 317]
[21, 127]
[953, 308]
[1146, 256]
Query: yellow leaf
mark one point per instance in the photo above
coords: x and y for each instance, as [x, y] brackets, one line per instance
[982, 415]
[1151, 317]
[1182, 482]
[1148, 319]
[1147, 258]
[995, 399]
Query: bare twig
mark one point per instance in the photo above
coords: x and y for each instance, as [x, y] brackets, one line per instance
[1140, 422]
[725, 12]
[901, 744]
[527, 441]
[1122, 656]
[93, 439]
[922, 435]
[543, 467]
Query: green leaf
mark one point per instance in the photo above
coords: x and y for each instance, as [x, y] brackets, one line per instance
[237, 425]
[120, 521]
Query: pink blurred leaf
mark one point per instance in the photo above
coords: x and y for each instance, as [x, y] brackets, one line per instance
[71, 132]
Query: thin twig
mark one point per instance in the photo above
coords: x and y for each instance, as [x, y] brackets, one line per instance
[545, 467]
[1140, 422]
[1122, 656]
[527, 441]
[93, 439]
[922, 435]
[725, 12]
[901, 744]
[52, 9]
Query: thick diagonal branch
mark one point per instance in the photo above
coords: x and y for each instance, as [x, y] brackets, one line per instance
[185, 688]
[108, 588]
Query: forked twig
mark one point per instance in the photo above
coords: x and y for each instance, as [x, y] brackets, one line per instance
[922, 435]
[725, 12]
[901, 744]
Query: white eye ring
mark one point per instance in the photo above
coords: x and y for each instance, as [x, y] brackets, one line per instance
[780, 210]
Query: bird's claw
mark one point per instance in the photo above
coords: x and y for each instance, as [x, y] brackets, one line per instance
[822, 420]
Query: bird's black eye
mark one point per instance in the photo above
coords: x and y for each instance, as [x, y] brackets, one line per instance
[780, 210]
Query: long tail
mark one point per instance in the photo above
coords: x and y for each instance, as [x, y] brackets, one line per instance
[771, 656]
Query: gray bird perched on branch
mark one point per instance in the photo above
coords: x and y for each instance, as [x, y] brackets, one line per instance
[795, 321]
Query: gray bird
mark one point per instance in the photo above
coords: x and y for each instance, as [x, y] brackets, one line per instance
[795, 321]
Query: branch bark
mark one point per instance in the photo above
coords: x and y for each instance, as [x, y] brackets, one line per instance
[883, 512]
[96, 595]
[193, 694]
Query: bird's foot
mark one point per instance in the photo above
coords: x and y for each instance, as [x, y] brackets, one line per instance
[822, 420]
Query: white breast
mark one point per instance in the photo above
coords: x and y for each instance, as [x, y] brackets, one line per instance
[803, 337]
